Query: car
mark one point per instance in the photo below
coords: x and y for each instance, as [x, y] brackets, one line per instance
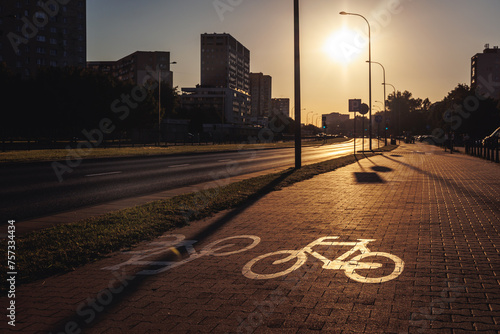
[495, 135]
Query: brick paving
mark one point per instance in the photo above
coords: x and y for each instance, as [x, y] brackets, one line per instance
[439, 213]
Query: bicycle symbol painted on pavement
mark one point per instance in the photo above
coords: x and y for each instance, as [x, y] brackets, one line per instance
[354, 268]
[138, 257]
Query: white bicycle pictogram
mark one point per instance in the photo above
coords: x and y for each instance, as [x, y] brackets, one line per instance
[351, 267]
[138, 257]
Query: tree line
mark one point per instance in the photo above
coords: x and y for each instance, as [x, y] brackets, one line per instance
[462, 111]
[60, 103]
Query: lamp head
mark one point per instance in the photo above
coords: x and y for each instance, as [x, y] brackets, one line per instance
[343, 13]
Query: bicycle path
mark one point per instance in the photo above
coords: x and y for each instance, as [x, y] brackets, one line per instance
[439, 213]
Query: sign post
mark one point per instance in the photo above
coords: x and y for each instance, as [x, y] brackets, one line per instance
[354, 106]
[363, 110]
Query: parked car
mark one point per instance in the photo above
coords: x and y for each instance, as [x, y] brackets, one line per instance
[492, 138]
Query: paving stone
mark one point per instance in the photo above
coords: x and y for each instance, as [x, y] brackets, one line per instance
[439, 213]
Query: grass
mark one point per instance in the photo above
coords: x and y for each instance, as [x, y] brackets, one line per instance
[100, 152]
[64, 248]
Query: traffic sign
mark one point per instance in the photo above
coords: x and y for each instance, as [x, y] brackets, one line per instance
[363, 110]
[354, 105]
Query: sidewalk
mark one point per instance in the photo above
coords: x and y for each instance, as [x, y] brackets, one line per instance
[438, 213]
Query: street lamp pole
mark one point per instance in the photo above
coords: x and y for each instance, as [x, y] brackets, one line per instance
[298, 134]
[369, 70]
[385, 114]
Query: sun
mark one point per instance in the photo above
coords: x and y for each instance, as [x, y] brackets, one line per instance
[344, 45]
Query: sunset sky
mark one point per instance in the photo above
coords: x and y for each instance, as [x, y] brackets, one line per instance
[425, 45]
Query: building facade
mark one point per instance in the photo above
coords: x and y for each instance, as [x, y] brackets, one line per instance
[485, 72]
[37, 34]
[261, 94]
[225, 63]
[225, 80]
[281, 106]
[336, 123]
[137, 67]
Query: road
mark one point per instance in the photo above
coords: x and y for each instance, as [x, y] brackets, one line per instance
[33, 190]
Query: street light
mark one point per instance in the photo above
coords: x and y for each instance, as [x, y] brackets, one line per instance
[369, 70]
[298, 133]
[159, 102]
[385, 114]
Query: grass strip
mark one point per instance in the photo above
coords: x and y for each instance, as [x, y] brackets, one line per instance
[64, 248]
[100, 152]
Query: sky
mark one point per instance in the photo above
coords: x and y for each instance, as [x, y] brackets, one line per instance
[424, 45]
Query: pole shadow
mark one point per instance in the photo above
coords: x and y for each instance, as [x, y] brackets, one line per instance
[135, 282]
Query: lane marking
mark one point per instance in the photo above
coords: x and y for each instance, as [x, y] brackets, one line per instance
[178, 166]
[224, 160]
[103, 174]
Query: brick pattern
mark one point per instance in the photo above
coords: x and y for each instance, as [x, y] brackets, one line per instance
[438, 212]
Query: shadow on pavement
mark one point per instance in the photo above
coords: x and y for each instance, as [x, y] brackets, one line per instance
[134, 283]
[368, 178]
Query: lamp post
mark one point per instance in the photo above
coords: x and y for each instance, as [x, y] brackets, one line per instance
[298, 133]
[159, 101]
[385, 114]
[399, 112]
[369, 70]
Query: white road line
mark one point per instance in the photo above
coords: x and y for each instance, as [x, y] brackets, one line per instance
[103, 174]
[224, 160]
[178, 166]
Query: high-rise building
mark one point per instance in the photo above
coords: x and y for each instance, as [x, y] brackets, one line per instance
[225, 63]
[225, 80]
[137, 67]
[261, 92]
[485, 72]
[37, 34]
[281, 106]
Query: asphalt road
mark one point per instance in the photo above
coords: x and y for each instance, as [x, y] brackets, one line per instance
[33, 190]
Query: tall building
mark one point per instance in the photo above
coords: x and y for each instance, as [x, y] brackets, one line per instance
[261, 92]
[37, 34]
[281, 106]
[485, 72]
[225, 63]
[225, 80]
[137, 67]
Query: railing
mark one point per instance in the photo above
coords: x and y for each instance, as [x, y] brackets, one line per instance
[488, 150]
